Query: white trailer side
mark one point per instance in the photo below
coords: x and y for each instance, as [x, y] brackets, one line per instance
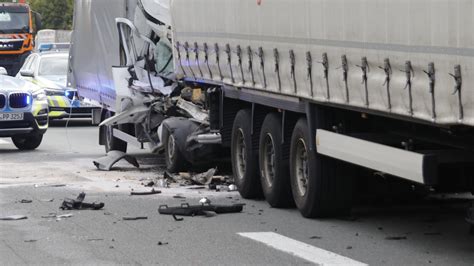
[294, 35]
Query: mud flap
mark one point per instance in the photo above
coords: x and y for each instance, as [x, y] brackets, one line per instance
[107, 162]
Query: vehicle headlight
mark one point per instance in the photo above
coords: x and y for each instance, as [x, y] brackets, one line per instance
[39, 95]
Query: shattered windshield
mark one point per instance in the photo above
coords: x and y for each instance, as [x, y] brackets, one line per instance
[53, 66]
[14, 22]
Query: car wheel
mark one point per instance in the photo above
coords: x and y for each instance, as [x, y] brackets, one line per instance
[28, 142]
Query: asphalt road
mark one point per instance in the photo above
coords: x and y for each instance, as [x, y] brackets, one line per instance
[420, 233]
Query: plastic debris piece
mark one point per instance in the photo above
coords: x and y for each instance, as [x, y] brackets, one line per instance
[107, 162]
[67, 215]
[13, 218]
[205, 201]
[133, 218]
[26, 201]
[152, 192]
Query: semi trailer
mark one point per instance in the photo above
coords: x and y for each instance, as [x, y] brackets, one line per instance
[300, 94]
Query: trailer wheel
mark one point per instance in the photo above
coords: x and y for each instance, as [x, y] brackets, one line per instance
[244, 157]
[274, 170]
[321, 186]
[112, 143]
[27, 142]
[175, 161]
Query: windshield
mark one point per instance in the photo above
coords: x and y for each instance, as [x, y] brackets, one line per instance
[14, 22]
[53, 66]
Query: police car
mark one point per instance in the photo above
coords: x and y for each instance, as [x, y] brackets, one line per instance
[23, 112]
[49, 71]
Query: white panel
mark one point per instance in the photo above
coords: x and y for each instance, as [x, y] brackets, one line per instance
[397, 162]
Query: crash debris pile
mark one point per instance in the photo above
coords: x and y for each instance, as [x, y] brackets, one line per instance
[208, 179]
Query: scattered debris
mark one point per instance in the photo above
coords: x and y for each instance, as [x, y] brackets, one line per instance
[13, 218]
[177, 218]
[46, 200]
[150, 184]
[316, 237]
[396, 238]
[107, 162]
[178, 197]
[26, 201]
[232, 187]
[197, 187]
[50, 185]
[205, 201]
[349, 247]
[30, 241]
[62, 216]
[134, 218]
[95, 239]
[51, 215]
[193, 210]
[79, 204]
[162, 243]
[141, 193]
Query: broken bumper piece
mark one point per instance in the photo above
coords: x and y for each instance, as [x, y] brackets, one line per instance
[107, 162]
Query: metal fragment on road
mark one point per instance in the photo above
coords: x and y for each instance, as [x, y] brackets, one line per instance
[142, 193]
[134, 218]
[107, 162]
[67, 215]
[13, 217]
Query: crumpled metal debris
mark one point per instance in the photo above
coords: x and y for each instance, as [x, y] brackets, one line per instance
[107, 162]
[138, 193]
[79, 204]
[13, 217]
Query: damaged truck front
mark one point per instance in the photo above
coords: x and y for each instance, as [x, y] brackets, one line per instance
[132, 78]
[301, 96]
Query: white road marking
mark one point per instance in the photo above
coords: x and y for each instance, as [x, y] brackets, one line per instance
[310, 253]
[3, 142]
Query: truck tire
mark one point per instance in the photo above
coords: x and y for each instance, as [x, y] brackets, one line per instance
[112, 143]
[27, 142]
[274, 170]
[244, 157]
[175, 161]
[321, 186]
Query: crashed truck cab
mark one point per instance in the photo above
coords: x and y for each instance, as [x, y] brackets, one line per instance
[152, 107]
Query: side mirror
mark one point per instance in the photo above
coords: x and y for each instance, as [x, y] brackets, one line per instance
[3, 71]
[38, 22]
[27, 73]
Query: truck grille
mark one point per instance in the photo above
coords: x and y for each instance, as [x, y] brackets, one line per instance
[11, 45]
[19, 100]
[3, 101]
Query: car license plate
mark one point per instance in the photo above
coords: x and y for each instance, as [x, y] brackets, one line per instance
[11, 116]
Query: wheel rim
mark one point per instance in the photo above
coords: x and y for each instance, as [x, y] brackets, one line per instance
[302, 169]
[171, 147]
[268, 159]
[240, 154]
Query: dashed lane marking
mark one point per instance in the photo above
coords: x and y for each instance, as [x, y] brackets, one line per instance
[299, 249]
